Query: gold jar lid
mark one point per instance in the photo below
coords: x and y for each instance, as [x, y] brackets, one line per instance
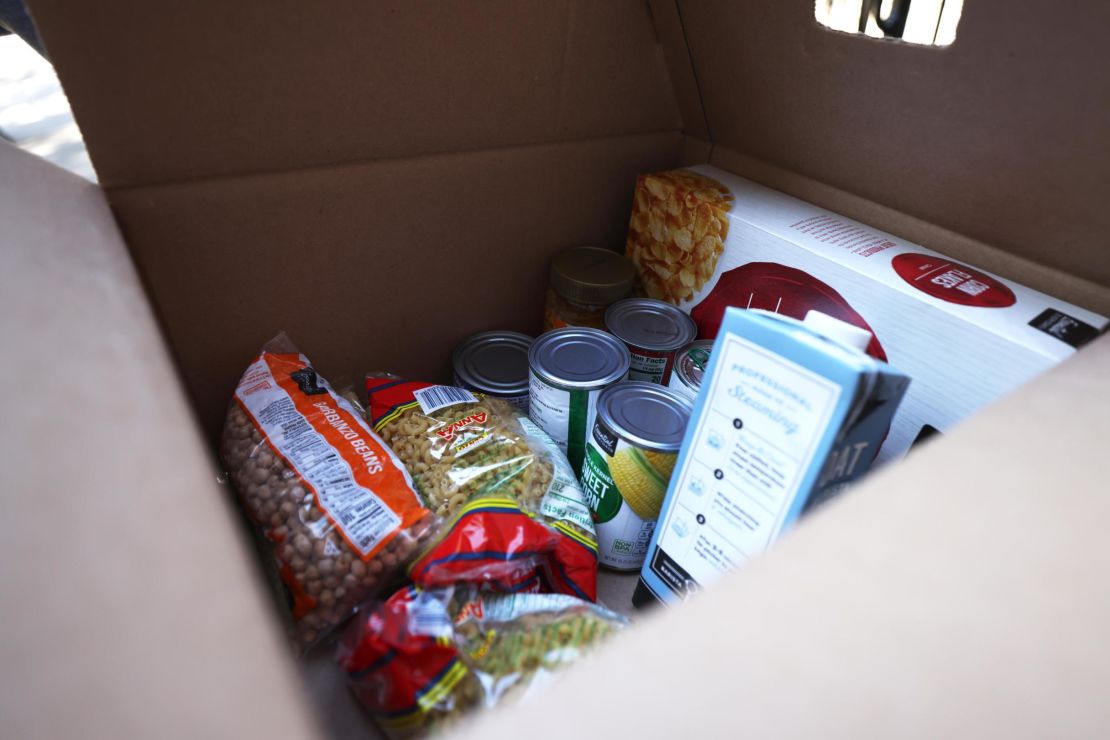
[591, 275]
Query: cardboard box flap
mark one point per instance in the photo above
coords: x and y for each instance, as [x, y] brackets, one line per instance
[182, 91]
[960, 593]
[1076, 289]
[1000, 137]
[125, 574]
[672, 37]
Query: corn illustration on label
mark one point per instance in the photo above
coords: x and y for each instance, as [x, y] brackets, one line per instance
[624, 487]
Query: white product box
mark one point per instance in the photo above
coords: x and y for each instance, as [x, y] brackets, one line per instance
[706, 239]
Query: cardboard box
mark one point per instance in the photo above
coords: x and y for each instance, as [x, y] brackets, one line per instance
[705, 239]
[271, 165]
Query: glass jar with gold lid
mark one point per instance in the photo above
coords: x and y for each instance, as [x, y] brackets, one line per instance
[583, 282]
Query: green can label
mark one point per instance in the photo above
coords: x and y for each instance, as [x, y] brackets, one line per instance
[566, 416]
[602, 495]
[624, 489]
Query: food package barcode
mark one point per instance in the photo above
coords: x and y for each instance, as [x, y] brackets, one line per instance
[437, 397]
[429, 617]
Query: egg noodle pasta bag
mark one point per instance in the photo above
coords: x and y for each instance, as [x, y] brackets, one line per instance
[337, 510]
[424, 659]
[511, 508]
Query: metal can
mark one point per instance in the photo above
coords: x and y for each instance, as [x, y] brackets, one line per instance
[630, 456]
[495, 363]
[568, 369]
[654, 331]
[689, 367]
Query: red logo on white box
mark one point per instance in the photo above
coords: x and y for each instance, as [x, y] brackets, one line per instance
[950, 281]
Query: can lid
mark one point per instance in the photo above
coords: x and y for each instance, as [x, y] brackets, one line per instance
[591, 275]
[579, 357]
[648, 415]
[838, 331]
[692, 361]
[650, 323]
[494, 361]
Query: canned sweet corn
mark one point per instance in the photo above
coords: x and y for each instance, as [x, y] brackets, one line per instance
[630, 455]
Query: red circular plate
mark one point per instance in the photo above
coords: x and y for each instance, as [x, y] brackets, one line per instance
[774, 287]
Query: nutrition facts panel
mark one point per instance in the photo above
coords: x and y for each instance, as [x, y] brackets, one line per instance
[364, 518]
[754, 441]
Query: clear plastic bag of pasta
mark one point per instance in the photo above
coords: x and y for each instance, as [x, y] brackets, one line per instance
[510, 506]
[425, 659]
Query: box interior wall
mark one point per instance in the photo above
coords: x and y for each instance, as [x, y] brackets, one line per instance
[284, 176]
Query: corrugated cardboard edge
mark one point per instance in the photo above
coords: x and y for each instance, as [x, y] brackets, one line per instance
[669, 30]
[132, 603]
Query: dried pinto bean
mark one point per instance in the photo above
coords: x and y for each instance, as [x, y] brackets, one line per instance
[326, 576]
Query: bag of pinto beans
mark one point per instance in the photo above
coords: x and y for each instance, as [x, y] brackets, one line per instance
[447, 488]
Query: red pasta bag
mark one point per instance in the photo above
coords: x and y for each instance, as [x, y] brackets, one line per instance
[513, 514]
[425, 658]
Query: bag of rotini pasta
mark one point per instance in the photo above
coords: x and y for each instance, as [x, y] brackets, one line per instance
[424, 659]
[513, 515]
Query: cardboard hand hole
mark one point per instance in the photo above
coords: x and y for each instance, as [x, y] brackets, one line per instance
[925, 22]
